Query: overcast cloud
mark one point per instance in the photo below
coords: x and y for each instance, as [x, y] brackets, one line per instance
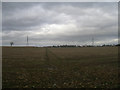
[60, 23]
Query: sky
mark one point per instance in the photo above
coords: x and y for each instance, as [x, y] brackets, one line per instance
[58, 23]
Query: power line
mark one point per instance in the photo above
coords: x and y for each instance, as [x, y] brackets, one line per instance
[92, 41]
[27, 41]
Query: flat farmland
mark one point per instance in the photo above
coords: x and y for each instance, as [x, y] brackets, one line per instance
[82, 67]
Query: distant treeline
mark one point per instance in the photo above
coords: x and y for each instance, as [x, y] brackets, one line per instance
[83, 45]
[57, 46]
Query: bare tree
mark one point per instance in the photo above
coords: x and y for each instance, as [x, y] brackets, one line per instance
[11, 43]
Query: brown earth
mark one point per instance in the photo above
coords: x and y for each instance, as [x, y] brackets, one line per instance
[86, 67]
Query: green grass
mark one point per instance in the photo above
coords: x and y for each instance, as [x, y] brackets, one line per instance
[88, 67]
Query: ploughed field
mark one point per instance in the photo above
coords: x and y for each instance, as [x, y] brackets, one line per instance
[86, 67]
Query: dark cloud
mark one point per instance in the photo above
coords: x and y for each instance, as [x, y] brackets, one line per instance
[52, 23]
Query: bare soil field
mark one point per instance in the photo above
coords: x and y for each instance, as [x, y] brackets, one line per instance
[86, 67]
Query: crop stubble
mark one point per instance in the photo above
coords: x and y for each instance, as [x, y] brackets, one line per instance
[88, 67]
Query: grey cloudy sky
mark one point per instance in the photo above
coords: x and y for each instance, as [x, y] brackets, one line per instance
[50, 23]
